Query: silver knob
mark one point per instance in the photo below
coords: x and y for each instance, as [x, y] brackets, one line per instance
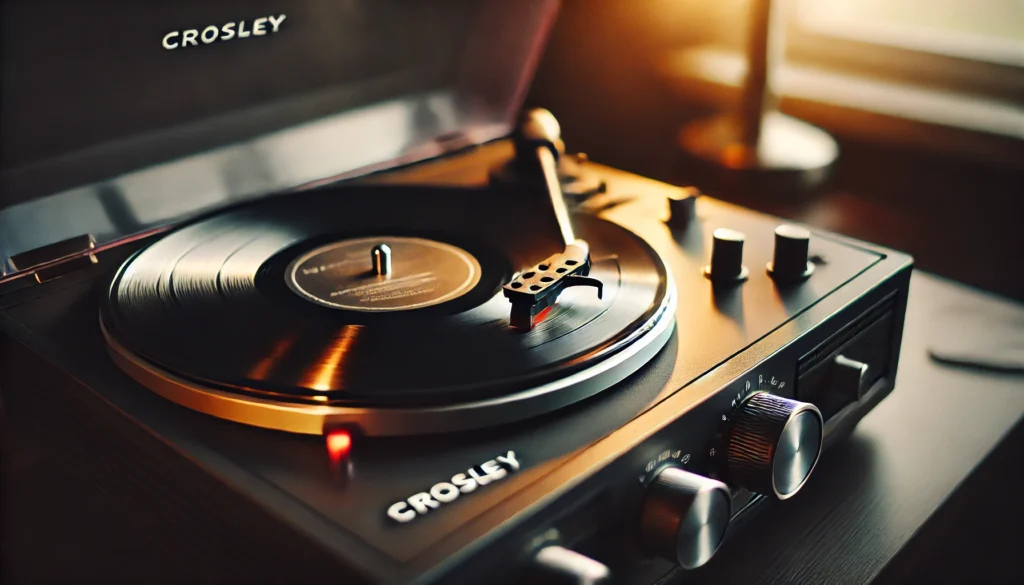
[685, 517]
[380, 258]
[773, 444]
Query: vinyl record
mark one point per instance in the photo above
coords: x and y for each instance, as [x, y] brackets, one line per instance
[274, 308]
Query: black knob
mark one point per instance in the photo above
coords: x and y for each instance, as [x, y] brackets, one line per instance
[682, 207]
[789, 262]
[685, 517]
[773, 444]
[726, 265]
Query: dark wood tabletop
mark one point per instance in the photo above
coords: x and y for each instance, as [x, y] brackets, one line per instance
[927, 487]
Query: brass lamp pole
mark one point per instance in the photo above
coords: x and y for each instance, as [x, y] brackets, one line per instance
[757, 138]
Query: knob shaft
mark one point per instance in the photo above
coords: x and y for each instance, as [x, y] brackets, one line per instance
[685, 517]
[790, 260]
[773, 445]
[726, 265]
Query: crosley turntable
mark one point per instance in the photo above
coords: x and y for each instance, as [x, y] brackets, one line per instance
[450, 353]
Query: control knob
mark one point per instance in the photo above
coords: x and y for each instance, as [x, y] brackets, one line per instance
[682, 207]
[773, 444]
[790, 260]
[726, 265]
[685, 517]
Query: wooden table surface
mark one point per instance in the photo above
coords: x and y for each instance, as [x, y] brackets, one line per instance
[926, 489]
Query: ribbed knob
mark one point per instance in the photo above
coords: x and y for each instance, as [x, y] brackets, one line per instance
[685, 517]
[773, 444]
[790, 259]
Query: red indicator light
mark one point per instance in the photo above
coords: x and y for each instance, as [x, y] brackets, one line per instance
[339, 443]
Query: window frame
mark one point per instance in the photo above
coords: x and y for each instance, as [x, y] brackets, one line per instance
[964, 64]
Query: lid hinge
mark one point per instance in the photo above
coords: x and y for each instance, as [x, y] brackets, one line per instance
[54, 260]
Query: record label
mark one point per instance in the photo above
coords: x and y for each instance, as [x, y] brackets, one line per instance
[422, 273]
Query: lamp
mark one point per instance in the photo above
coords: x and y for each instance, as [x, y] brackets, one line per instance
[757, 139]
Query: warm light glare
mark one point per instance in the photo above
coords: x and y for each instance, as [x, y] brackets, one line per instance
[325, 374]
[262, 369]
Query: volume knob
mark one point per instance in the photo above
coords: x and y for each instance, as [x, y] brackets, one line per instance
[685, 517]
[773, 444]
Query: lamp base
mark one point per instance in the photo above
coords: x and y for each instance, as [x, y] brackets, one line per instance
[789, 151]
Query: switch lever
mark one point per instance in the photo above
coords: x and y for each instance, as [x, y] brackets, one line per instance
[556, 565]
[849, 377]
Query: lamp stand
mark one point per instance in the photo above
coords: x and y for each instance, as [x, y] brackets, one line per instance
[757, 139]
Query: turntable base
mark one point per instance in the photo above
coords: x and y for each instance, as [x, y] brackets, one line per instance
[194, 497]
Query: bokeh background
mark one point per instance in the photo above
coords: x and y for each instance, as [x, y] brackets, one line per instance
[925, 97]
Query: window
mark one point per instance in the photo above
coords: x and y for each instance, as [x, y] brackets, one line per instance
[944, 75]
[974, 46]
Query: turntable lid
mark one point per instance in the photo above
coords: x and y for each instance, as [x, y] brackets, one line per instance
[121, 119]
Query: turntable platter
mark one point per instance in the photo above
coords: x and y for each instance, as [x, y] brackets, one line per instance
[272, 314]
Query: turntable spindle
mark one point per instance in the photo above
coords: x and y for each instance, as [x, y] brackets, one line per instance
[380, 257]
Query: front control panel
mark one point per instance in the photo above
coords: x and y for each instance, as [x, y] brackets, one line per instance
[760, 435]
[759, 443]
[752, 440]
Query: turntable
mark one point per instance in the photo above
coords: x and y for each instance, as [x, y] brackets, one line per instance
[455, 353]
